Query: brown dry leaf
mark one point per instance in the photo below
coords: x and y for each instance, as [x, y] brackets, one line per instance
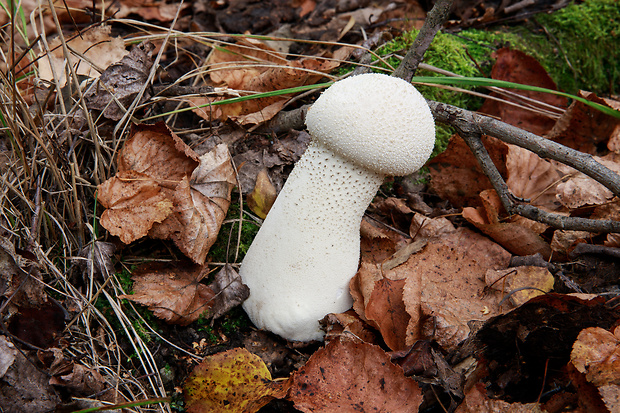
[451, 291]
[533, 178]
[121, 82]
[582, 127]
[250, 65]
[564, 240]
[149, 10]
[477, 401]
[579, 189]
[263, 195]
[351, 376]
[596, 353]
[516, 66]
[531, 281]
[426, 227]
[95, 44]
[156, 151]
[229, 291]
[456, 175]
[201, 204]
[19, 278]
[232, 381]
[347, 325]
[386, 310]
[518, 239]
[97, 258]
[173, 294]
[133, 202]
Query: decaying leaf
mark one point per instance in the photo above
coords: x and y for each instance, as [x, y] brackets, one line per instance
[177, 295]
[201, 204]
[596, 353]
[518, 239]
[522, 283]
[458, 161]
[515, 66]
[477, 401]
[164, 189]
[352, 376]
[121, 82]
[173, 294]
[434, 294]
[156, 151]
[251, 65]
[133, 202]
[579, 189]
[95, 44]
[18, 278]
[262, 196]
[232, 381]
[229, 291]
[97, 258]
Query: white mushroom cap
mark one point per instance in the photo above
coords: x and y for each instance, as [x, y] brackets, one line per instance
[377, 121]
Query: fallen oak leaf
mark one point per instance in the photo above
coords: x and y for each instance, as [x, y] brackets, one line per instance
[232, 381]
[133, 202]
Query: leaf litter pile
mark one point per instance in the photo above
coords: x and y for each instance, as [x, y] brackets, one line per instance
[137, 166]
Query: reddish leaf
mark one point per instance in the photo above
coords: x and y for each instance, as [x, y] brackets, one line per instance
[350, 376]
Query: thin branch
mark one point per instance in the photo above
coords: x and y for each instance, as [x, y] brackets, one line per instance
[434, 21]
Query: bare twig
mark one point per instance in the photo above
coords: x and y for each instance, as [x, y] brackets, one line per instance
[434, 21]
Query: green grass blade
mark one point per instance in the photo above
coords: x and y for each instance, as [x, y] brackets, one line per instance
[482, 81]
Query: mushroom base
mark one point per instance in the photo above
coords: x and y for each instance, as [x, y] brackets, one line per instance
[299, 265]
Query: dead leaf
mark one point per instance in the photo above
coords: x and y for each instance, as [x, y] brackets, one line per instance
[386, 310]
[19, 278]
[531, 177]
[173, 294]
[232, 381]
[458, 161]
[426, 227]
[582, 127]
[97, 258]
[517, 67]
[95, 44]
[156, 151]
[134, 202]
[347, 325]
[596, 353]
[477, 401]
[262, 196]
[25, 387]
[121, 82]
[563, 240]
[579, 189]
[518, 239]
[532, 281]
[229, 291]
[201, 204]
[351, 376]
[251, 65]
[150, 10]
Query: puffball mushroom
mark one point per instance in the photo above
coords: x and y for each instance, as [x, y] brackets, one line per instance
[298, 267]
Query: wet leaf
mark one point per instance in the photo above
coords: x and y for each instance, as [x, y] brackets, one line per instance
[175, 295]
[351, 376]
[232, 381]
[134, 202]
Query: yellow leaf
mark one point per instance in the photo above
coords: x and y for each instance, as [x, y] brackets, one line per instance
[262, 196]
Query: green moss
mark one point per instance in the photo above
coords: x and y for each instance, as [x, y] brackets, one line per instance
[228, 237]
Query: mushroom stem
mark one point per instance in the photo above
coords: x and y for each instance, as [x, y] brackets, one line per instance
[309, 243]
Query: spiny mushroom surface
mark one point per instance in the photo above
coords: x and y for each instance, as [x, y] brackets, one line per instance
[299, 265]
